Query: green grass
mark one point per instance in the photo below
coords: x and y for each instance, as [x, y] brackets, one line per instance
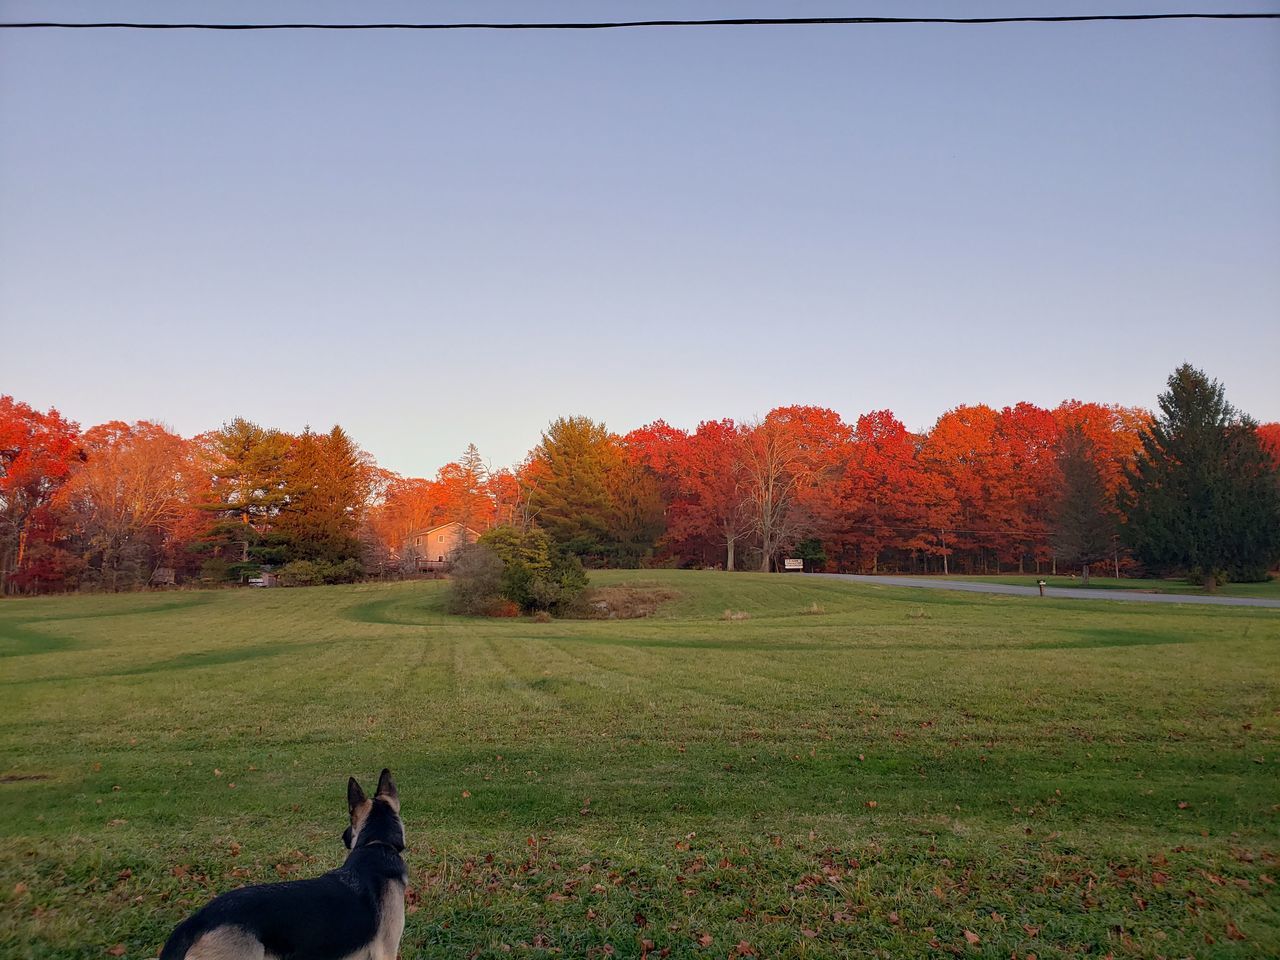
[1269, 589]
[1054, 777]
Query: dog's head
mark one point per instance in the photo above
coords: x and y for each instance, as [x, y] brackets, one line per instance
[376, 820]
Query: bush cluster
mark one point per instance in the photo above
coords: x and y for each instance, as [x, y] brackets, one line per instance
[309, 573]
[508, 566]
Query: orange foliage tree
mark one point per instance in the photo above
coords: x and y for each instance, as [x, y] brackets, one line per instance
[37, 453]
[133, 500]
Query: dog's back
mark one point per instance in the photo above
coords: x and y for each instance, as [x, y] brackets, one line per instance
[356, 910]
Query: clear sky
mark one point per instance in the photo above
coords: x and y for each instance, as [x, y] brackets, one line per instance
[436, 239]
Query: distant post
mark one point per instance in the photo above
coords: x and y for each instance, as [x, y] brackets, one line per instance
[1040, 584]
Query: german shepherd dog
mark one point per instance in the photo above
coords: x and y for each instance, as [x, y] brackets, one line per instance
[355, 912]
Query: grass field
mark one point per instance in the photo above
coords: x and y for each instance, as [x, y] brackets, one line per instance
[1268, 589]
[848, 772]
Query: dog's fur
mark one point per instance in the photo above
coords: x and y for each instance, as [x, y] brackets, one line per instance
[353, 913]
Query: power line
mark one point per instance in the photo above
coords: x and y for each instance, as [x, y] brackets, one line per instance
[618, 24]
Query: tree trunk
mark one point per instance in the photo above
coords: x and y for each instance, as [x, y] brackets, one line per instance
[22, 548]
[1210, 583]
[1085, 575]
[730, 544]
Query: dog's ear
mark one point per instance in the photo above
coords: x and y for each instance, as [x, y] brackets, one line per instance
[387, 787]
[355, 796]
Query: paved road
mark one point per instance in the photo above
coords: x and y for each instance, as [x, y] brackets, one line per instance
[1068, 593]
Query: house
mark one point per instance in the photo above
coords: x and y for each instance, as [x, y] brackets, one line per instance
[433, 548]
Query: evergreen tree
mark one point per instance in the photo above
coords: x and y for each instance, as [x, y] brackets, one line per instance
[1203, 495]
[572, 497]
[327, 486]
[1083, 522]
[246, 465]
[593, 498]
[471, 510]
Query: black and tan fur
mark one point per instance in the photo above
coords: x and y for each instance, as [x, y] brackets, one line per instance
[353, 913]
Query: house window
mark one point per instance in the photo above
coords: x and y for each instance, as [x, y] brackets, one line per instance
[417, 542]
[442, 538]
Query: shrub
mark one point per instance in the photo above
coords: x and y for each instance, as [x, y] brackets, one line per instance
[309, 573]
[476, 584]
[557, 589]
[532, 547]
[513, 566]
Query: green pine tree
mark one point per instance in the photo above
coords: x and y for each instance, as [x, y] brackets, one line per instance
[247, 465]
[1203, 493]
[327, 487]
[572, 498]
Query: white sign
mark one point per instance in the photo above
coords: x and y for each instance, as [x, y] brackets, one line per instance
[792, 563]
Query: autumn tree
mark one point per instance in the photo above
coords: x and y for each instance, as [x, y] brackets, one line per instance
[463, 493]
[130, 498]
[1083, 520]
[710, 500]
[785, 458]
[1021, 481]
[403, 505]
[1269, 437]
[881, 500]
[959, 453]
[504, 491]
[1113, 436]
[658, 447]
[37, 453]
[1203, 493]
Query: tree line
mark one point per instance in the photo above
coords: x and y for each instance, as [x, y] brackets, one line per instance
[1191, 488]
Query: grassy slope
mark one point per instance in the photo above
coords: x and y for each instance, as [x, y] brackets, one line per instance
[1050, 776]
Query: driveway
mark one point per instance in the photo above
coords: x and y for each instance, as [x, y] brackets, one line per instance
[1057, 593]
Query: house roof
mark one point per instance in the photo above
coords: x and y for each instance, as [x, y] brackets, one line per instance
[441, 526]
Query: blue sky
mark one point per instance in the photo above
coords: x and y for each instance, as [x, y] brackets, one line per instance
[436, 239]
